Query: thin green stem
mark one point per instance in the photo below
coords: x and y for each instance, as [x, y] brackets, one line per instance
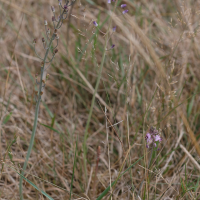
[36, 116]
[93, 99]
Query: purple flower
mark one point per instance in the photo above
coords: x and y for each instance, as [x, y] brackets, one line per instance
[109, 1]
[65, 7]
[60, 2]
[95, 23]
[124, 12]
[52, 8]
[123, 5]
[149, 139]
[114, 28]
[157, 138]
[152, 137]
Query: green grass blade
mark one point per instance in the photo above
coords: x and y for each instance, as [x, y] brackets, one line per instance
[73, 170]
[114, 182]
[40, 190]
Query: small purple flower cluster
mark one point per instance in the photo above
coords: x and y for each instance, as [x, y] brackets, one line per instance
[152, 137]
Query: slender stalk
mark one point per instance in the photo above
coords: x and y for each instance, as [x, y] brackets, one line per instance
[36, 114]
[93, 98]
[147, 168]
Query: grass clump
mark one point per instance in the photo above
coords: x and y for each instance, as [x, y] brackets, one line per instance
[122, 68]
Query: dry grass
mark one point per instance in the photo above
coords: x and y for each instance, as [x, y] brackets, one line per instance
[157, 48]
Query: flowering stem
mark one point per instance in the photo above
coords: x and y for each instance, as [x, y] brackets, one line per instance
[93, 99]
[36, 113]
[147, 168]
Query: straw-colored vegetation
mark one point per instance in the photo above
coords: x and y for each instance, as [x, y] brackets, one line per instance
[150, 78]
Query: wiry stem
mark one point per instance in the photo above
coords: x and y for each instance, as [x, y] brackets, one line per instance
[41, 86]
[93, 98]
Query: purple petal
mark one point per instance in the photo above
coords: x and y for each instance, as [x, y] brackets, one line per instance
[114, 28]
[148, 136]
[157, 138]
[112, 46]
[124, 12]
[109, 1]
[95, 23]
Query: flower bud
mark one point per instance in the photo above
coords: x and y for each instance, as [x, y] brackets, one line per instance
[45, 22]
[124, 12]
[95, 23]
[55, 51]
[52, 8]
[65, 7]
[53, 19]
[43, 40]
[48, 31]
[60, 2]
[41, 93]
[34, 41]
[112, 46]
[123, 5]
